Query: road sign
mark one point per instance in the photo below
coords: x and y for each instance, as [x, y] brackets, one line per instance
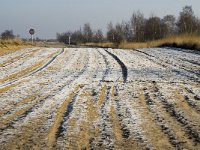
[32, 31]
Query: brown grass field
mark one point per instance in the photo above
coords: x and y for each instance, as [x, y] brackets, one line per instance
[190, 41]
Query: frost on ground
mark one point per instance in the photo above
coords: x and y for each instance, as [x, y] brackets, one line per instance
[94, 98]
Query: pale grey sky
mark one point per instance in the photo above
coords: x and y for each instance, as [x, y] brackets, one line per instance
[50, 16]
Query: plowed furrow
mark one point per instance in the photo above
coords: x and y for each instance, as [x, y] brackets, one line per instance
[120, 132]
[81, 129]
[154, 130]
[191, 129]
[192, 62]
[2, 90]
[84, 132]
[34, 128]
[95, 98]
[8, 110]
[106, 141]
[131, 123]
[192, 99]
[62, 115]
[17, 58]
[16, 116]
[187, 104]
[69, 80]
[30, 70]
[173, 130]
[23, 113]
[12, 55]
[5, 89]
[168, 64]
[31, 136]
[47, 64]
[174, 60]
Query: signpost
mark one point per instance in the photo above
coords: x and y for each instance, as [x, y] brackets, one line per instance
[32, 31]
[69, 39]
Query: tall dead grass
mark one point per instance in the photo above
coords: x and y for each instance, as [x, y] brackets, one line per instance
[104, 44]
[189, 41]
[7, 46]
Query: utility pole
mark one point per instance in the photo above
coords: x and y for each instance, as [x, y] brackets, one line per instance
[113, 36]
[69, 40]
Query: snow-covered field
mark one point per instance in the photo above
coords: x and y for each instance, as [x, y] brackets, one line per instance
[93, 98]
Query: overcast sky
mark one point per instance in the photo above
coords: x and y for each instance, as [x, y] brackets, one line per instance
[48, 17]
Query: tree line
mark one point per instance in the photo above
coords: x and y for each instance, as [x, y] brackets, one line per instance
[137, 29]
[7, 34]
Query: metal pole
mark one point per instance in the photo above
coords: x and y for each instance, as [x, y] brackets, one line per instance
[32, 38]
[69, 40]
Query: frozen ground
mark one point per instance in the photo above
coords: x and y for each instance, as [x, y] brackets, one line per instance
[88, 98]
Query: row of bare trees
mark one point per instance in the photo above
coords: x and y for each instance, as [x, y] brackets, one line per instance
[138, 29]
[84, 35]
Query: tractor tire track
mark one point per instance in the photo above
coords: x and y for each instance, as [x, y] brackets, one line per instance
[123, 66]
[107, 70]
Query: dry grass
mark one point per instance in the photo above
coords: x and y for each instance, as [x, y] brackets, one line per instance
[189, 41]
[128, 45]
[7, 46]
[105, 44]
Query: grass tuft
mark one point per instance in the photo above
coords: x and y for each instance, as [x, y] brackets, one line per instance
[7, 46]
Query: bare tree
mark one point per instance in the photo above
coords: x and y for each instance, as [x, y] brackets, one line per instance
[115, 34]
[127, 31]
[77, 37]
[64, 37]
[87, 32]
[138, 24]
[98, 36]
[7, 34]
[169, 25]
[153, 28]
[119, 34]
[187, 22]
[111, 33]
